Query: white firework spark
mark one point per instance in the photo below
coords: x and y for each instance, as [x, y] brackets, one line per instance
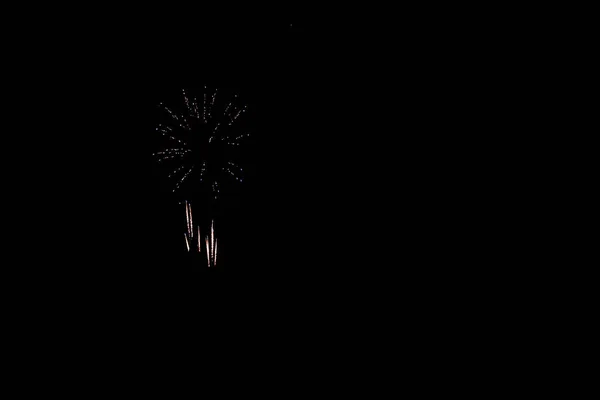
[212, 232]
[212, 103]
[207, 252]
[184, 178]
[191, 222]
[184, 137]
[218, 131]
[187, 102]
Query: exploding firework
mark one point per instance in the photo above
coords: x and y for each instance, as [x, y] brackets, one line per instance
[199, 140]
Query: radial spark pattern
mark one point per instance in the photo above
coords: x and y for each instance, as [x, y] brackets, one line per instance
[204, 134]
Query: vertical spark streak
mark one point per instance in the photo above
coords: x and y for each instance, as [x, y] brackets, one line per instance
[186, 242]
[196, 108]
[187, 102]
[207, 252]
[187, 216]
[212, 103]
[204, 104]
[212, 232]
[191, 222]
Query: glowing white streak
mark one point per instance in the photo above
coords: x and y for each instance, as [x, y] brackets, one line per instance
[164, 133]
[199, 243]
[231, 173]
[186, 242]
[212, 232]
[207, 252]
[171, 113]
[165, 127]
[172, 151]
[187, 173]
[171, 157]
[176, 171]
[191, 224]
[187, 216]
[184, 178]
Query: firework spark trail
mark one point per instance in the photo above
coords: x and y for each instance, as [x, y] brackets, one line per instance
[239, 113]
[207, 252]
[202, 170]
[187, 124]
[237, 138]
[230, 172]
[170, 112]
[212, 103]
[176, 171]
[204, 104]
[187, 102]
[184, 177]
[238, 167]
[214, 132]
[212, 232]
[164, 133]
[172, 151]
[187, 216]
[190, 224]
[234, 165]
[186, 242]
[233, 119]
[176, 118]
[171, 157]
[196, 108]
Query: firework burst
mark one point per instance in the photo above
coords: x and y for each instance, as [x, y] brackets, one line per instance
[199, 140]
